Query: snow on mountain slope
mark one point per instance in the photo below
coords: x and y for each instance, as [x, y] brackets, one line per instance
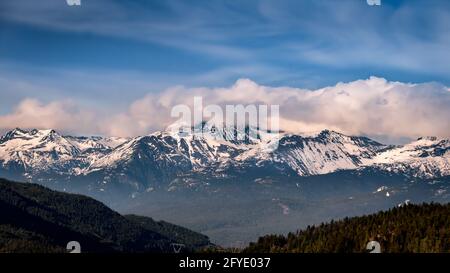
[163, 156]
[426, 157]
[46, 150]
[112, 142]
[309, 154]
[177, 150]
[36, 148]
[121, 153]
[319, 153]
[95, 142]
[208, 154]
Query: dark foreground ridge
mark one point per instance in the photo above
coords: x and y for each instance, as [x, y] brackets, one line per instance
[36, 219]
[421, 228]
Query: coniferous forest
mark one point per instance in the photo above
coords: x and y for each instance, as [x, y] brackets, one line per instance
[421, 228]
[34, 219]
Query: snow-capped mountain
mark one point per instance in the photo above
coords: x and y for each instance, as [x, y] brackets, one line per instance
[427, 157]
[177, 158]
[36, 152]
[319, 153]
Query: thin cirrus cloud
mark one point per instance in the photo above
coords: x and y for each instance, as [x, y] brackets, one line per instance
[374, 107]
[402, 40]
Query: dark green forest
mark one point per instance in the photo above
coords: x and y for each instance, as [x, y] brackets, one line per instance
[36, 219]
[421, 228]
[192, 239]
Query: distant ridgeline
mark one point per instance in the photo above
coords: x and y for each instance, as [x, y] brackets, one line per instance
[36, 219]
[409, 228]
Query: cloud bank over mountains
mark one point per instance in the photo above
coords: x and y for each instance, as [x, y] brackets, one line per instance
[374, 107]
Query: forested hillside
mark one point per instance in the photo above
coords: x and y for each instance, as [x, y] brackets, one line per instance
[36, 219]
[409, 228]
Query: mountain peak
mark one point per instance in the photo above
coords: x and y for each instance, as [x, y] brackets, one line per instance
[429, 138]
[327, 132]
[34, 131]
[430, 141]
[17, 132]
[47, 131]
[318, 133]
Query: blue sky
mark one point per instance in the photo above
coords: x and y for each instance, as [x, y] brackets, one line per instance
[108, 54]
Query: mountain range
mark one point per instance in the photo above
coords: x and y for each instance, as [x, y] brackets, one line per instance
[168, 161]
[257, 185]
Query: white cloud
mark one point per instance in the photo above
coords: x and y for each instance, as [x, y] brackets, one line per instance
[61, 115]
[373, 107]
